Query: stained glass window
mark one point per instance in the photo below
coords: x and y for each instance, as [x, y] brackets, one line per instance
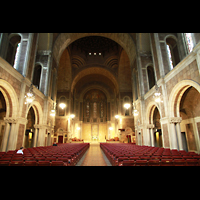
[94, 110]
[101, 109]
[16, 55]
[190, 44]
[88, 110]
[170, 57]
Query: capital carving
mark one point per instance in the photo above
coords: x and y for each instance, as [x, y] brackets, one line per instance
[150, 126]
[10, 120]
[175, 120]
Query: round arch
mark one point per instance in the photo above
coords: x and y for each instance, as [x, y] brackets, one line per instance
[123, 39]
[12, 103]
[94, 70]
[176, 95]
[94, 87]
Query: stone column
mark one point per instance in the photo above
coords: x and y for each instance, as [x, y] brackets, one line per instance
[175, 134]
[13, 133]
[150, 137]
[6, 136]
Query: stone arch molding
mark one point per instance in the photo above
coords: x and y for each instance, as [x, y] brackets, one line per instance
[37, 111]
[177, 93]
[95, 70]
[12, 103]
[123, 39]
[150, 111]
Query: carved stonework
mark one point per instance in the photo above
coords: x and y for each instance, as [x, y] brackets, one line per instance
[10, 120]
[150, 126]
[175, 120]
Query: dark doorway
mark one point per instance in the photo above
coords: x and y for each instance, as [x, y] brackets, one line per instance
[29, 135]
[60, 139]
[158, 138]
[184, 141]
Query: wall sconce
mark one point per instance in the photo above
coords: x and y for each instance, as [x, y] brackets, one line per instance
[53, 111]
[135, 112]
[117, 116]
[157, 95]
[72, 116]
[30, 96]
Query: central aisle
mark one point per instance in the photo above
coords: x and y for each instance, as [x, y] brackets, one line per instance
[94, 157]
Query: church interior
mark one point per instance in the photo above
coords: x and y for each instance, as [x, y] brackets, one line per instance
[120, 99]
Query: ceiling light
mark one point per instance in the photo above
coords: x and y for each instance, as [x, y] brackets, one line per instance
[100, 54]
[90, 54]
[95, 54]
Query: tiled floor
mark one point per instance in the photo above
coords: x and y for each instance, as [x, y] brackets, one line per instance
[94, 156]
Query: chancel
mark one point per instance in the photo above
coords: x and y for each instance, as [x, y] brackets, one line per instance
[121, 99]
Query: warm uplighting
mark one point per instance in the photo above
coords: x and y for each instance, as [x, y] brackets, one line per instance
[62, 105]
[53, 113]
[110, 128]
[127, 105]
[30, 96]
[78, 128]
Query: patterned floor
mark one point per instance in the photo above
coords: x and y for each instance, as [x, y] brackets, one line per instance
[94, 156]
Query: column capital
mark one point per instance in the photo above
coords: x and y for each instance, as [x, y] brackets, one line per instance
[148, 126]
[173, 120]
[10, 120]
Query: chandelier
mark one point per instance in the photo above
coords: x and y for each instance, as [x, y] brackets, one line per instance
[62, 105]
[127, 105]
[157, 95]
[30, 96]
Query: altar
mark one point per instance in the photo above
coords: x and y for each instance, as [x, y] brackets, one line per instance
[94, 138]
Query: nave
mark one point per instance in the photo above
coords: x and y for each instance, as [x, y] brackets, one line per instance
[94, 157]
[99, 154]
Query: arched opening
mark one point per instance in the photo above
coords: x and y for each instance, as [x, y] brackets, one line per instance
[151, 76]
[172, 51]
[190, 124]
[2, 115]
[157, 128]
[13, 50]
[30, 130]
[37, 75]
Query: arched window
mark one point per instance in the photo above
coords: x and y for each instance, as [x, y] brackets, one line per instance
[17, 55]
[151, 76]
[172, 51]
[37, 75]
[13, 51]
[190, 44]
